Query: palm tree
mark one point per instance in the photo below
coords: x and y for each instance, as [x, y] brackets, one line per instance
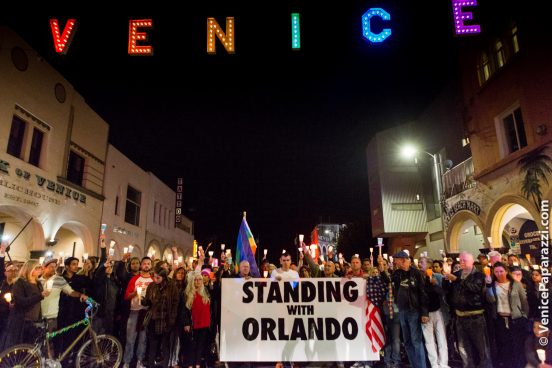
[535, 166]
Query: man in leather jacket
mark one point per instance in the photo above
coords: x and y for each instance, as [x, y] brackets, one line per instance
[467, 290]
[411, 299]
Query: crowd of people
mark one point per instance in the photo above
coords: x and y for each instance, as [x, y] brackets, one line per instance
[480, 313]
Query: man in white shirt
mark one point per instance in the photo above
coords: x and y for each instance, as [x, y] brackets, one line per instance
[284, 273]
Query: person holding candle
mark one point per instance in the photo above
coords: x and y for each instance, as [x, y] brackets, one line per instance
[7, 279]
[435, 337]
[27, 293]
[161, 297]
[106, 288]
[510, 310]
[466, 288]
[134, 293]
[55, 285]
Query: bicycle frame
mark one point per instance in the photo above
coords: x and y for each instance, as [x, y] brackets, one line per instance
[70, 347]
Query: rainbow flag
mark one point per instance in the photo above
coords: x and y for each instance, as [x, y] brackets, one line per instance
[246, 248]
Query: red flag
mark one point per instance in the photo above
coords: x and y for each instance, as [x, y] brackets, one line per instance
[374, 327]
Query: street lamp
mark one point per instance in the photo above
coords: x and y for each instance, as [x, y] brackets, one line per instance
[409, 151]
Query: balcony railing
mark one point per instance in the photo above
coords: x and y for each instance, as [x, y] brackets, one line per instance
[458, 179]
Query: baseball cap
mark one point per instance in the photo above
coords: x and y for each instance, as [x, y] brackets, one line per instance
[401, 254]
[48, 261]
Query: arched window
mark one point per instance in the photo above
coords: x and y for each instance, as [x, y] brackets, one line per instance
[500, 55]
[483, 68]
[514, 35]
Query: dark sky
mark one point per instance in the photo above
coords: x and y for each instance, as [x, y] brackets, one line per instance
[275, 132]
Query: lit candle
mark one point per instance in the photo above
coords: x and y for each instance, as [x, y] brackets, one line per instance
[535, 267]
[330, 249]
[301, 238]
[541, 354]
[8, 297]
[130, 248]
[41, 260]
[85, 256]
[385, 255]
[139, 291]
[180, 259]
[265, 252]
[112, 244]
[222, 246]
[516, 263]
[300, 249]
[211, 253]
[416, 262]
[283, 251]
[265, 274]
[125, 250]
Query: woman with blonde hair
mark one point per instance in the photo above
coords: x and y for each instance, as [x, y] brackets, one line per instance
[27, 295]
[197, 318]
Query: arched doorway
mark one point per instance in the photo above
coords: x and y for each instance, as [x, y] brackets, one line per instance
[154, 250]
[513, 226]
[73, 239]
[465, 233]
[15, 222]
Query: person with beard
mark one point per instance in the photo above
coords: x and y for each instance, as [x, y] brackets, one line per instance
[135, 291]
[71, 310]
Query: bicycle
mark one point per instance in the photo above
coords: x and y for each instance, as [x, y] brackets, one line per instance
[97, 351]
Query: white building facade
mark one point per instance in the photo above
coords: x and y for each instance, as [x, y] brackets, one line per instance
[52, 158]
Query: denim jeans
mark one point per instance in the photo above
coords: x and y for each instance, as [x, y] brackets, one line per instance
[411, 325]
[392, 348]
[131, 338]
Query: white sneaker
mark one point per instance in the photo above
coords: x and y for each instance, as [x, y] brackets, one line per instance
[140, 365]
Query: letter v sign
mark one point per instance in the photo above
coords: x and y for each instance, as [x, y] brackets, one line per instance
[63, 41]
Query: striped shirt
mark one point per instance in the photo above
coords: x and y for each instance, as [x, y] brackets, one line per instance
[55, 285]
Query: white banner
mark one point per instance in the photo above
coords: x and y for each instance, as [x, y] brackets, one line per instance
[319, 319]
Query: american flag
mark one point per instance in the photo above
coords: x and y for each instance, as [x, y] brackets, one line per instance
[375, 293]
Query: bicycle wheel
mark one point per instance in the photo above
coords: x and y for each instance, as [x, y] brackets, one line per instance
[21, 356]
[110, 353]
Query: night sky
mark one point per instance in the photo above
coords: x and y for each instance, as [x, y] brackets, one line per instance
[278, 133]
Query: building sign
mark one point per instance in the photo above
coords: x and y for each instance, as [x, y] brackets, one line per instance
[299, 321]
[530, 239]
[46, 190]
[462, 205]
[178, 208]
[62, 36]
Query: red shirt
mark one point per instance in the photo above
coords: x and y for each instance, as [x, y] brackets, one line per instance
[201, 313]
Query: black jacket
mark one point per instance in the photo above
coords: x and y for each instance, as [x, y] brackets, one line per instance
[417, 296]
[468, 294]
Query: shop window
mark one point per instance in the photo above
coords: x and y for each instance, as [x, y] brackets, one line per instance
[36, 147]
[132, 210]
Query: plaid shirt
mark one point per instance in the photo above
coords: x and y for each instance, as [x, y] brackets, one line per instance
[163, 301]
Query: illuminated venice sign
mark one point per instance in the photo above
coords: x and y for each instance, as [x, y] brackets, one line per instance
[138, 30]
